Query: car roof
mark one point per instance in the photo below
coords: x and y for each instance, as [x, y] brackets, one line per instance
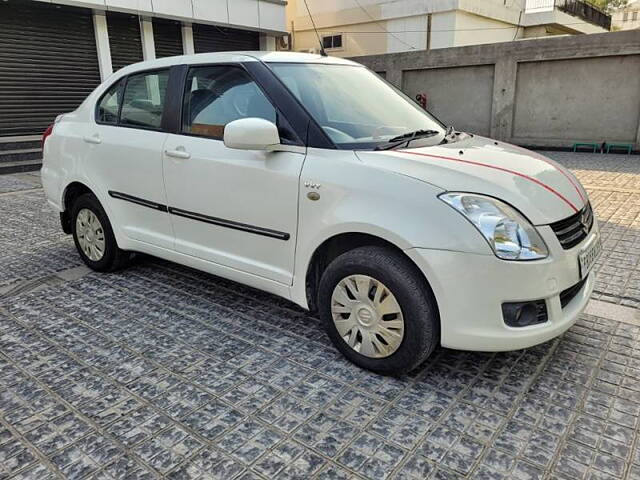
[235, 57]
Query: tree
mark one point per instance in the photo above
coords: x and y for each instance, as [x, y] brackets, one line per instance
[609, 5]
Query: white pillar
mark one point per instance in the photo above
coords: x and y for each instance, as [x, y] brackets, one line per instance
[267, 42]
[148, 43]
[188, 47]
[102, 44]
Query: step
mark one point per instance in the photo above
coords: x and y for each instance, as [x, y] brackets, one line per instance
[19, 167]
[21, 154]
[22, 142]
[8, 146]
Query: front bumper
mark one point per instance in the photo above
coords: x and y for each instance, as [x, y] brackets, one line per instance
[470, 290]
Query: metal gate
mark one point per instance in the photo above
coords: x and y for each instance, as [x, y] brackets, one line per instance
[124, 39]
[48, 63]
[209, 38]
[167, 36]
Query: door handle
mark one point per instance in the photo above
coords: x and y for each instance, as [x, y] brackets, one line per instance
[180, 153]
[95, 139]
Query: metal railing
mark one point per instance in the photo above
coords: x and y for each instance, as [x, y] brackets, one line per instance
[586, 11]
[577, 8]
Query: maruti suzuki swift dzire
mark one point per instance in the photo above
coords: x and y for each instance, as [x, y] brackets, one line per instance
[311, 178]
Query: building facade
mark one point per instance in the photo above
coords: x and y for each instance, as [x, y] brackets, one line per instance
[367, 27]
[53, 53]
[627, 18]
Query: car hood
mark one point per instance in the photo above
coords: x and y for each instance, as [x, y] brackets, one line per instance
[540, 188]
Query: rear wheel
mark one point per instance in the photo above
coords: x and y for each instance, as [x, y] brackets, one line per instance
[378, 310]
[93, 235]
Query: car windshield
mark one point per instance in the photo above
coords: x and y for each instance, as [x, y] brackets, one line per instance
[355, 107]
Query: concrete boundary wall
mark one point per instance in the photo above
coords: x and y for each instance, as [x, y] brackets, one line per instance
[549, 92]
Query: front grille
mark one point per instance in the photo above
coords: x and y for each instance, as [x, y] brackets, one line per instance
[570, 293]
[571, 231]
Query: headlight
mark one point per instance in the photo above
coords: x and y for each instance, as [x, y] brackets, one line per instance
[510, 235]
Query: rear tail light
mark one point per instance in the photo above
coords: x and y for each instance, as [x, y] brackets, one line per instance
[46, 134]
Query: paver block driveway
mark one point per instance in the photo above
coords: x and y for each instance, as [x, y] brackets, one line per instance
[161, 371]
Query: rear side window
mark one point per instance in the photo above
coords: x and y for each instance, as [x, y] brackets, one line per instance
[218, 95]
[109, 105]
[143, 100]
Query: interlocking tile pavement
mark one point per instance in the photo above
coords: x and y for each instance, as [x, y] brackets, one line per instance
[13, 183]
[160, 371]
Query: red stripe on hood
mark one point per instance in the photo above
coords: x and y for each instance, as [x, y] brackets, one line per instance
[561, 170]
[494, 167]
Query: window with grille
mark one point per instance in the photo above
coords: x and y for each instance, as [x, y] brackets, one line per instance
[332, 41]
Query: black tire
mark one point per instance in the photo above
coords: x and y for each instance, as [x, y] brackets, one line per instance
[113, 258]
[403, 279]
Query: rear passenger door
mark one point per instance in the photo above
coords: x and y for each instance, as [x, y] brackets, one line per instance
[125, 156]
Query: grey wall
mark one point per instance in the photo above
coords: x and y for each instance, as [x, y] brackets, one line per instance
[544, 92]
[596, 98]
[459, 96]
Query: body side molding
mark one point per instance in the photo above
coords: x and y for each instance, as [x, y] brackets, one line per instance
[138, 201]
[266, 232]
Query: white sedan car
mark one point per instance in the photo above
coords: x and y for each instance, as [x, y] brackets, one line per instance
[312, 178]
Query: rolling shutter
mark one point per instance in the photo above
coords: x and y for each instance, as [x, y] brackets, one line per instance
[208, 38]
[48, 64]
[167, 36]
[124, 39]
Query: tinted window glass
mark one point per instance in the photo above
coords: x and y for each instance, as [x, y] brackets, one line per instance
[219, 95]
[109, 105]
[143, 100]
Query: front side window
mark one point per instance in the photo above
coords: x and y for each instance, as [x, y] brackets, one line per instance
[143, 100]
[354, 106]
[218, 95]
[109, 105]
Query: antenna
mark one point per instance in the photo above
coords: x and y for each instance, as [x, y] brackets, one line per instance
[322, 52]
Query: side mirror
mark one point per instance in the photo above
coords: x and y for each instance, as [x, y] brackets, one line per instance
[251, 134]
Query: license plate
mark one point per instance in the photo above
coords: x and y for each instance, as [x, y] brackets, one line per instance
[587, 258]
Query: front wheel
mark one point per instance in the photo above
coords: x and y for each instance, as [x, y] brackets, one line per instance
[378, 310]
[93, 235]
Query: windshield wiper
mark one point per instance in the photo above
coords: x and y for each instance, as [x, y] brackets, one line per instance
[450, 135]
[406, 139]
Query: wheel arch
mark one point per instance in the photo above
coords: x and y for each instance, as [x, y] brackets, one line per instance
[69, 195]
[340, 243]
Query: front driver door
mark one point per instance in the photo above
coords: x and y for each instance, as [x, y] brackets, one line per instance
[236, 208]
